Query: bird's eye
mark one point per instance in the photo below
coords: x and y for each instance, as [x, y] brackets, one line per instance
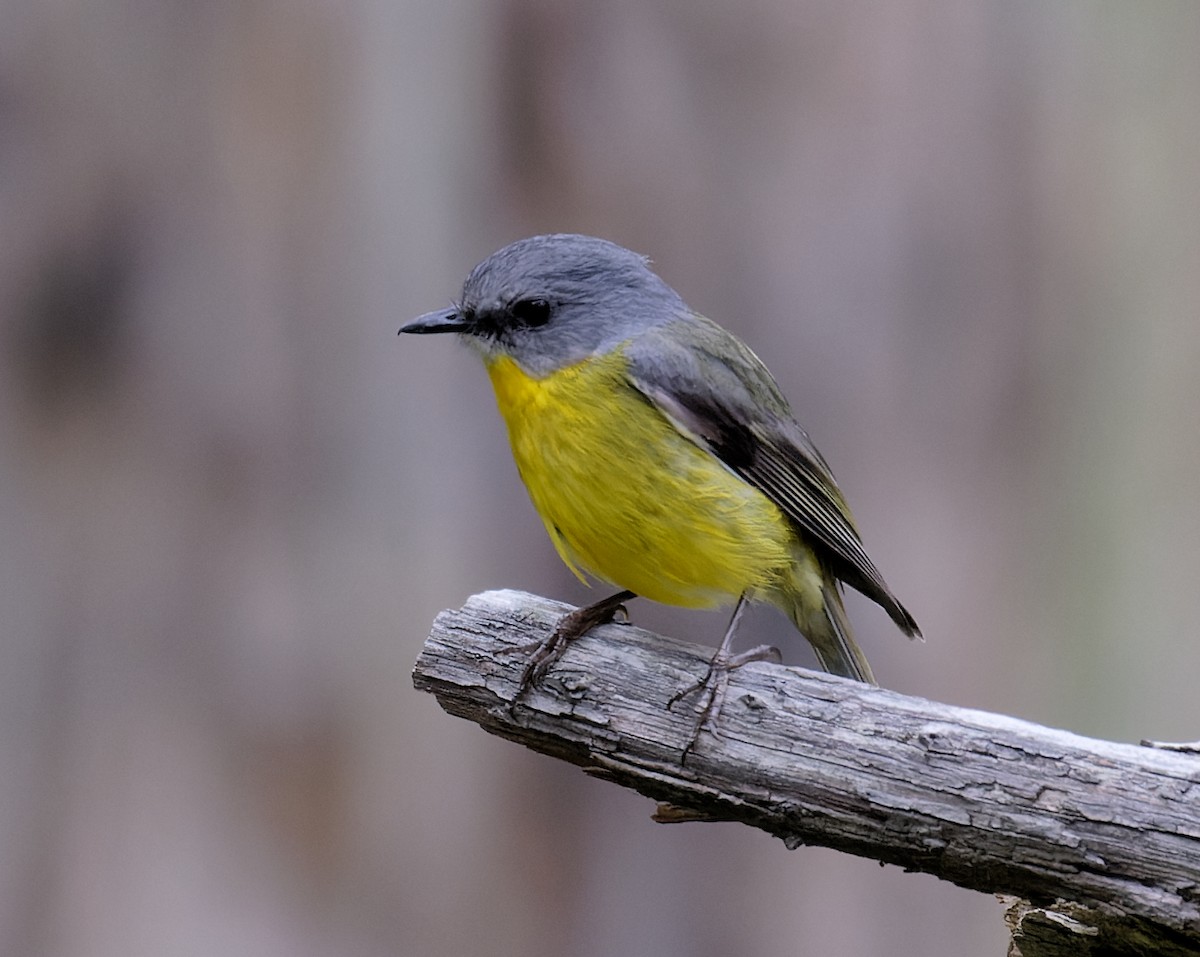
[531, 312]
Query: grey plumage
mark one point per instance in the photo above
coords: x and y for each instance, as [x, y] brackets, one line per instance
[549, 302]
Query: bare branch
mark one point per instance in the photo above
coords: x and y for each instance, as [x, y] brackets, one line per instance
[985, 801]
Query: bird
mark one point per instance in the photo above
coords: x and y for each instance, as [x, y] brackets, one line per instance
[659, 452]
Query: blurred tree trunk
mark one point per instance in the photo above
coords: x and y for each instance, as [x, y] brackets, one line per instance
[965, 244]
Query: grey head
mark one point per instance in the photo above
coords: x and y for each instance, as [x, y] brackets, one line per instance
[550, 301]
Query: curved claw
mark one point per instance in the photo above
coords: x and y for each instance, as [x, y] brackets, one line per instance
[569, 627]
[716, 679]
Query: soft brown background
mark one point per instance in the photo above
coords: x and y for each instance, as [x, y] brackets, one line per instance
[965, 236]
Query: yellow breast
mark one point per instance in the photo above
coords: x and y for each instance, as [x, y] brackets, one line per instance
[627, 497]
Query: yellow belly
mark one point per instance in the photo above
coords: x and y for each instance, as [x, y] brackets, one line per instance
[628, 498]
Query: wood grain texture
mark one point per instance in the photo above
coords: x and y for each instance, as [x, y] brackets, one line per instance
[985, 801]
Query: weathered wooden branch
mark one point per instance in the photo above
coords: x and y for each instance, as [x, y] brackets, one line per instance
[1097, 842]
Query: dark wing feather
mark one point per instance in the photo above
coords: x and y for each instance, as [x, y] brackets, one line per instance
[715, 390]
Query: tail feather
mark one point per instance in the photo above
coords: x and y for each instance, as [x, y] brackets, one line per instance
[831, 638]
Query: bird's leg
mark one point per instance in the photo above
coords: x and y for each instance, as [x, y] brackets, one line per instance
[569, 627]
[716, 678]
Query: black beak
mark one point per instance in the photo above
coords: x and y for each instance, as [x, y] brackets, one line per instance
[445, 320]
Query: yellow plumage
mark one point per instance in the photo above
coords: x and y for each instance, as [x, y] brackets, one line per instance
[626, 496]
[657, 449]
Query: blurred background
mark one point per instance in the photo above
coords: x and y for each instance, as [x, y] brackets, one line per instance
[965, 237]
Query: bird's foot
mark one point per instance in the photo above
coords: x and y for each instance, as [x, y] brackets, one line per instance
[544, 653]
[712, 688]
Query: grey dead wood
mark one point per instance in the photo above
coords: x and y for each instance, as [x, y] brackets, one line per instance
[1095, 844]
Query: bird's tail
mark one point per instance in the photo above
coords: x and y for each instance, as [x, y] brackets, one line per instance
[828, 631]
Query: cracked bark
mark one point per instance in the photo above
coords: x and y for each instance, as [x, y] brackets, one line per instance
[1096, 843]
